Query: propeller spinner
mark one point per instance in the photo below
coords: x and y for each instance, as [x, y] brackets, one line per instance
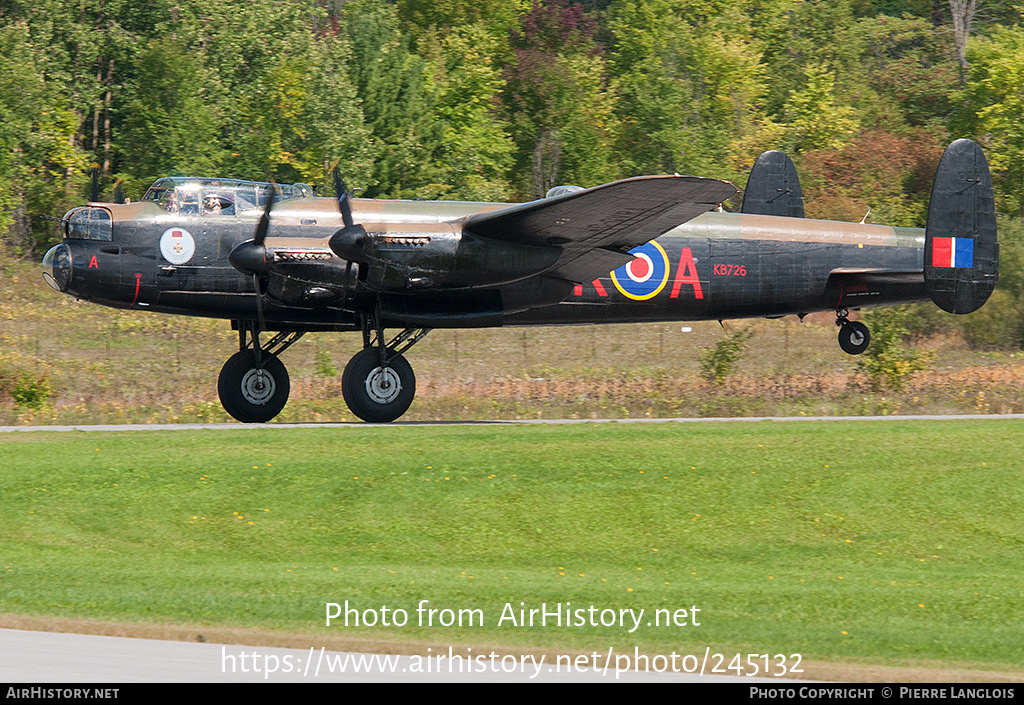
[250, 257]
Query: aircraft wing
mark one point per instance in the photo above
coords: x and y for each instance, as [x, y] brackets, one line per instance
[596, 227]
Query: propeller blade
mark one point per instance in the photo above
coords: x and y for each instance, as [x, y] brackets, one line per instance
[264, 225]
[343, 200]
[118, 192]
[94, 189]
[250, 257]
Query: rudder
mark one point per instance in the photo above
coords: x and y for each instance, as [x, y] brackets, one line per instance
[961, 256]
[773, 187]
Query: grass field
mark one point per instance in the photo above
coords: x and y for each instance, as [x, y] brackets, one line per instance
[868, 541]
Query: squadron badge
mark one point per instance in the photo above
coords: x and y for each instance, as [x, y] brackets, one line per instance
[177, 245]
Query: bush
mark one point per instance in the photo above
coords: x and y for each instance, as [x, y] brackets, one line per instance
[886, 361]
[323, 365]
[31, 393]
[924, 320]
[718, 362]
[997, 324]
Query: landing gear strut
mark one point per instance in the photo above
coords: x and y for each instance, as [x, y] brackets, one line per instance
[378, 383]
[854, 336]
[253, 383]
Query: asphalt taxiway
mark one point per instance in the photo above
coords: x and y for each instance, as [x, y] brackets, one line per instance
[50, 657]
[524, 422]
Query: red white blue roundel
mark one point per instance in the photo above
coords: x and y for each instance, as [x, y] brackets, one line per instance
[646, 275]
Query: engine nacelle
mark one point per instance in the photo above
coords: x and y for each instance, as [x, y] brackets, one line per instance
[311, 284]
[438, 260]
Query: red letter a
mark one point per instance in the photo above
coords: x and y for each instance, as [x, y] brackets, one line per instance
[686, 273]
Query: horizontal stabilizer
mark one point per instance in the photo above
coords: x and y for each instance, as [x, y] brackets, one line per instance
[773, 187]
[961, 256]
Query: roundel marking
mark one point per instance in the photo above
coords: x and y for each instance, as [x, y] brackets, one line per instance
[645, 276]
[177, 245]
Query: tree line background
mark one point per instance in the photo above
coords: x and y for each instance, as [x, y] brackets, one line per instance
[500, 100]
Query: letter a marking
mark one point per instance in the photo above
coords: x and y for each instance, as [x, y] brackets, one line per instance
[686, 273]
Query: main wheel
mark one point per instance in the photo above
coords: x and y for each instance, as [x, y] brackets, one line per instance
[251, 395]
[854, 337]
[378, 394]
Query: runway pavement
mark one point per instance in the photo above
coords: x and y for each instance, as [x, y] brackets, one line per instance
[744, 419]
[48, 657]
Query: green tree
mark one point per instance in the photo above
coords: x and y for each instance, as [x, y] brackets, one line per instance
[797, 34]
[557, 100]
[910, 78]
[37, 143]
[994, 110]
[495, 18]
[398, 102]
[812, 118]
[333, 116]
[171, 122]
[477, 152]
[690, 87]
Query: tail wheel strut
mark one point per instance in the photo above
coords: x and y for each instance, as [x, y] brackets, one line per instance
[854, 336]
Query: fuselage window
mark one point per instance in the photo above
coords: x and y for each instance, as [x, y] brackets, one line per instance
[89, 223]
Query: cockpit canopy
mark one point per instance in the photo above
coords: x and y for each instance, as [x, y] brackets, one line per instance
[88, 223]
[187, 195]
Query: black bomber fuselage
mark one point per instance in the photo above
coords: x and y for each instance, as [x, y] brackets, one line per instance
[272, 257]
[719, 265]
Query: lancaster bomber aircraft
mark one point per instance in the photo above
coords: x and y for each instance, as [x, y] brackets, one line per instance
[277, 259]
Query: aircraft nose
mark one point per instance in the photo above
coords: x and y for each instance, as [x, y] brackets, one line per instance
[57, 268]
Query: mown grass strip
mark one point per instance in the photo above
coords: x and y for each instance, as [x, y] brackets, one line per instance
[877, 539]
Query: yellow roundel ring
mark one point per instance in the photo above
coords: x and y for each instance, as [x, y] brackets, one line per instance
[646, 275]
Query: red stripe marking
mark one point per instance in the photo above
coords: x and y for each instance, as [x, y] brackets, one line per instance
[138, 280]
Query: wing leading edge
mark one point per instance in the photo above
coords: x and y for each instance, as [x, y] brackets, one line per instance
[595, 228]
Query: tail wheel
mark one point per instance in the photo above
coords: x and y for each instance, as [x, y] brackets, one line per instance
[375, 393]
[251, 395]
[854, 337]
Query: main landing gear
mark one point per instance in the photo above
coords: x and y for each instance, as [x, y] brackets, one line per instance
[378, 383]
[854, 336]
[253, 383]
